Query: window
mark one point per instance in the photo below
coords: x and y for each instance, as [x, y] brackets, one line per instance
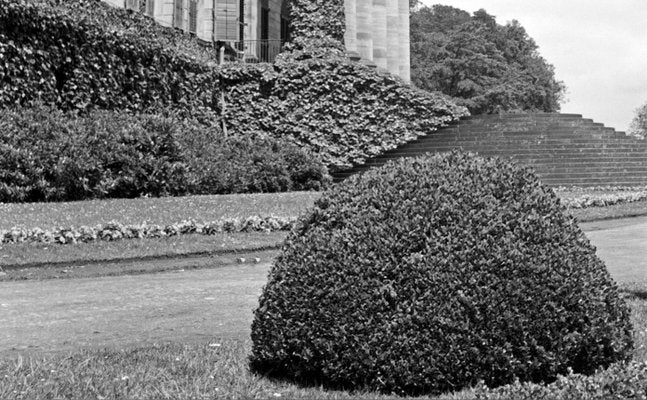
[193, 16]
[150, 8]
[132, 5]
[265, 33]
[177, 14]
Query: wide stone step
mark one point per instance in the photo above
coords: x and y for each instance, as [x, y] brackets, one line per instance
[562, 148]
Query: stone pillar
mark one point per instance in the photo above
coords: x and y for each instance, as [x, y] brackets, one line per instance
[405, 41]
[350, 37]
[364, 28]
[393, 36]
[379, 28]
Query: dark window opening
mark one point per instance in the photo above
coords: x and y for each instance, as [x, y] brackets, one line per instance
[285, 29]
[193, 16]
[265, 32]
[150, 8]
[177, 14]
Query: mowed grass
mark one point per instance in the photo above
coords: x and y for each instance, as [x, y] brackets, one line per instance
[159, 211]
[170, 210]
[216, 369]
[24, 255]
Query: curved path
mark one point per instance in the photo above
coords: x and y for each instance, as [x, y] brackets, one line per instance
[622, 244]
[125, 311]
[199, 305]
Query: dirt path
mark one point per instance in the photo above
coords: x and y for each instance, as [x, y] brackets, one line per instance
[124, 311]
[199, 305]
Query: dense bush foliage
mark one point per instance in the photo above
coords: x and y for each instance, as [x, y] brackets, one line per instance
[619, 382]
[433, 273]
[487, 67]
[341, 110]
[50, 155]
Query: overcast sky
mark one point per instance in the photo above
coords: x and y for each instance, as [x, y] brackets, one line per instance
[598, 48]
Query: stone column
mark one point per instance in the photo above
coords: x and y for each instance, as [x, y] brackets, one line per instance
[379, 29]
[393, 36]
[405, 42]
[350, 37]
[364, 28]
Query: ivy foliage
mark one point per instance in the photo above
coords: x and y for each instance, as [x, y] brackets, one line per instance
[342, 110]
[317, 19]
[312, 96]
[432, 274]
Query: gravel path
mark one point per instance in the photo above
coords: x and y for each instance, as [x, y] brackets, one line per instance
[622, 244]
[201, 305]
[124, 311]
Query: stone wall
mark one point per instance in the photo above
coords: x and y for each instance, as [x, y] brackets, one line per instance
[376, 30]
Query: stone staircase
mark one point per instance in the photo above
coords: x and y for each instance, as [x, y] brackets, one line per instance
[564, 149]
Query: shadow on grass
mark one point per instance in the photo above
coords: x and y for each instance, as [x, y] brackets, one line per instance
[635, 294]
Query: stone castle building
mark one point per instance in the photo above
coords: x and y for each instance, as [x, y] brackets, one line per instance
[377, 31]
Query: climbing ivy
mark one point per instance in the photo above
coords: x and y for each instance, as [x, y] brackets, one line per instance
[318, 19]
[312, 96]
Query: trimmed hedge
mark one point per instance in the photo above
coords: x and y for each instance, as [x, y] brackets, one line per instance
[432, 274]
[621, 381]
[49, 155]
[313, 96]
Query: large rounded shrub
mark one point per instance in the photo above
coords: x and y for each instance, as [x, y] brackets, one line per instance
[433, 273]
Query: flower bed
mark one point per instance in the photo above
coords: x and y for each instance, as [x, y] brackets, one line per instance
[112, 231]
[600, 197]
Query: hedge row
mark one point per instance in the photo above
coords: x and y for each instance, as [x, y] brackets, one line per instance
[342, 110]
[50, 155]
[112, 231]
[620, 381]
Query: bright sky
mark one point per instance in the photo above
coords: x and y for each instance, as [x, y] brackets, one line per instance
[598, 48]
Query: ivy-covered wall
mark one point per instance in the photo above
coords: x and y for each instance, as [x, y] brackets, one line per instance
[99, 57]
[321, 20]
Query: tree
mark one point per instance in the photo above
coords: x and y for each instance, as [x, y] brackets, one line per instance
[638, 125]
[487, 67]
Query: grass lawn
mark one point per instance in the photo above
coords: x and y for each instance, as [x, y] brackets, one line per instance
[24, 255]
[217, 368]
[159, 211]
[169, 210]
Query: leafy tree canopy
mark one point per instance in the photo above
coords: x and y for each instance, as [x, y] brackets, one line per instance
[487, 67]
[638, 125]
